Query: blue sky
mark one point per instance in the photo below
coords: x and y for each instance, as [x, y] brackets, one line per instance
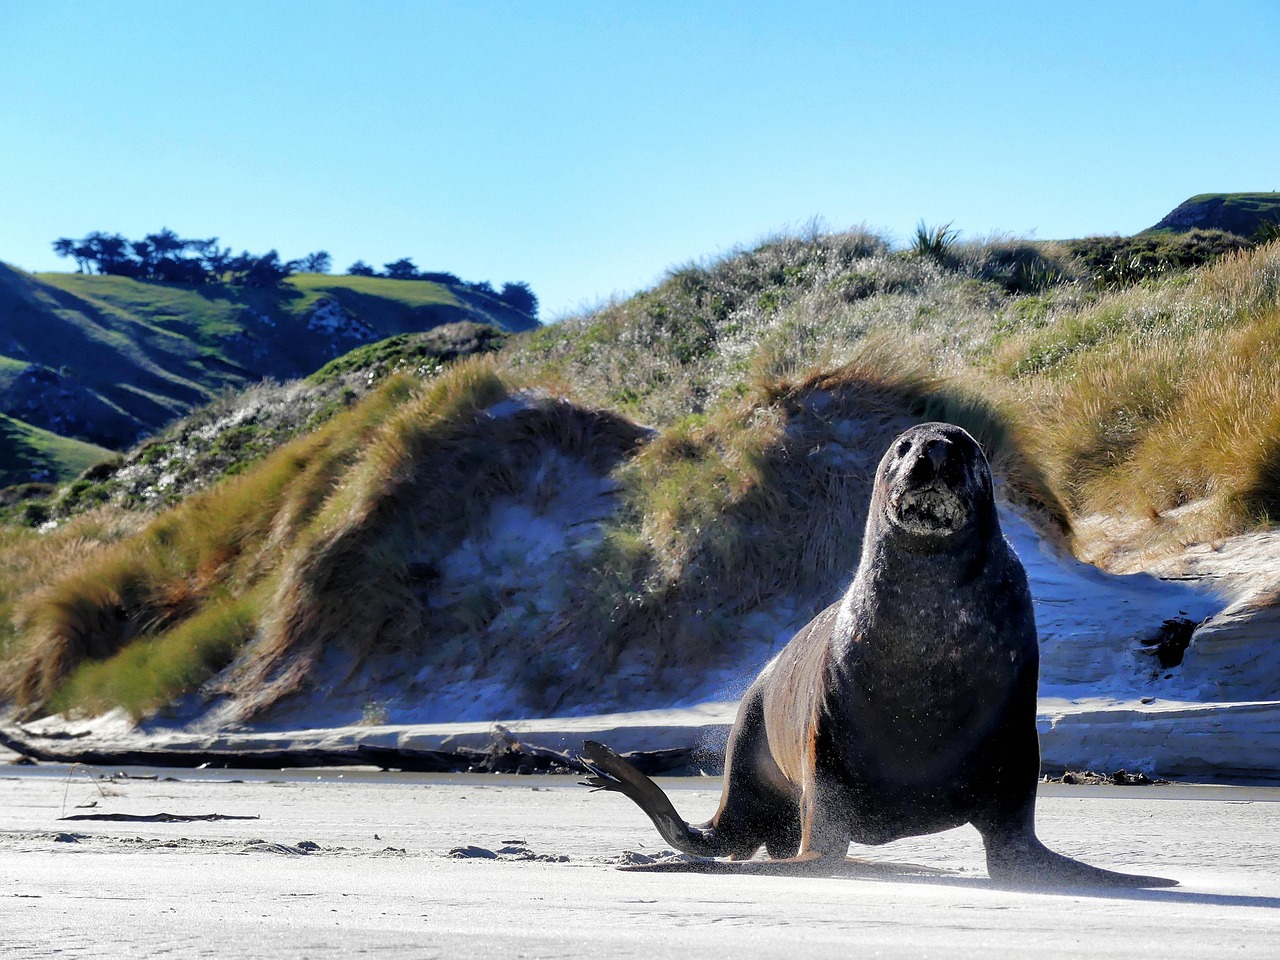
[587, 147]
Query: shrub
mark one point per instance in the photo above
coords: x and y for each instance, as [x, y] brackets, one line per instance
[1114, 262]
[934, 242]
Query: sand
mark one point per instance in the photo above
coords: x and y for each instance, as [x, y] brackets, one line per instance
[341, 862]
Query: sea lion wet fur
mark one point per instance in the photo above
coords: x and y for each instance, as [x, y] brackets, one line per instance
[907, 708]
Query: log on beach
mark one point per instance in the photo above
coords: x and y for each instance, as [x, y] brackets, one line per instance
[62, 750]
[505, 754]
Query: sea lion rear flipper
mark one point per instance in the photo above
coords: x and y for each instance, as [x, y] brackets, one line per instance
[611, 772]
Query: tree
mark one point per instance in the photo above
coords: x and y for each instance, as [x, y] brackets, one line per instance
[360, 269]
[146, 254]
[66, 247]
[264, 271]
[84, 254]
[519, 296]
[215, 260]
[166, 243]
[402, 269]
[318, 262]
[110, 250]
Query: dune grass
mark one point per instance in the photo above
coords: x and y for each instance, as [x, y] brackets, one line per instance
[775, 378]
[763, 502]
[153, 671]
[216, 546]
[1161, 397]
[353, 582]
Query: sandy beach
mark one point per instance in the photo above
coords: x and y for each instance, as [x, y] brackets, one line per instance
[346, 862]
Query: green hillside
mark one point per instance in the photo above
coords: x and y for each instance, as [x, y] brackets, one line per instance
[109, 359]
[29, 453]
[1240, 213]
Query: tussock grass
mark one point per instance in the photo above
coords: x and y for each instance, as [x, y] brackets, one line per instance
[1162, 397]
[793, 303]
[146, 675]
[775, 376]
[1238, 288]
[29, 560]
[223, 543]
[354, 580]
[766, 499]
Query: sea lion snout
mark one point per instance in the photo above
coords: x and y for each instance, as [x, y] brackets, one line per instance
[937, 458]
[938, 450]
[931, 476]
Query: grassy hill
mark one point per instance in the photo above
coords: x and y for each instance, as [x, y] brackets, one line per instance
[227, 436]
[1240, 213]
[28, 453]
[109, 360]
[605, 508]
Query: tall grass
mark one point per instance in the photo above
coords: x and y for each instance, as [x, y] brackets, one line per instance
[764, 502]
[1160, 403]
[795, 303]
[776, 376]
[350, 584]
[147, 674]
[220, 544]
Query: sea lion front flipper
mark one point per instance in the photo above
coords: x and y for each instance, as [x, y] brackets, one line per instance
[1032, 864]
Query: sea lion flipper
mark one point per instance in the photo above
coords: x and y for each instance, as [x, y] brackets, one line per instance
[611, 772]
[1035, 865]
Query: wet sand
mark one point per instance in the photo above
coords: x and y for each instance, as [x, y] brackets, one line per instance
[343, 862]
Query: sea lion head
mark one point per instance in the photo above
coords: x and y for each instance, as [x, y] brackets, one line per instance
[934, 483]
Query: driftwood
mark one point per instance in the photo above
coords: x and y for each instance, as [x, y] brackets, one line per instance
[505, 754]
[156, 817]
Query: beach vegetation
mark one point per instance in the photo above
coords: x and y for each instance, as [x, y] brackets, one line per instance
[731, 418]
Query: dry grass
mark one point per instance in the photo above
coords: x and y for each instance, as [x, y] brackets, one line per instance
[353, 581]
[1170, 400]
[218, 545]
[765, 501]
[793, 304]
[777, 376]
[29, 560]
[147, 674]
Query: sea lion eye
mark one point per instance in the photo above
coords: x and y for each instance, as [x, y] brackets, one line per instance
[903, 447]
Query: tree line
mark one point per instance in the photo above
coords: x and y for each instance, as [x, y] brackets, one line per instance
[518, 295]
[168, 258]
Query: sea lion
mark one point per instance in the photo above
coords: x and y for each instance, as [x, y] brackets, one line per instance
[907, 708]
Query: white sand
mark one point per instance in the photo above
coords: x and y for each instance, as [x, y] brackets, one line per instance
[204, 889]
